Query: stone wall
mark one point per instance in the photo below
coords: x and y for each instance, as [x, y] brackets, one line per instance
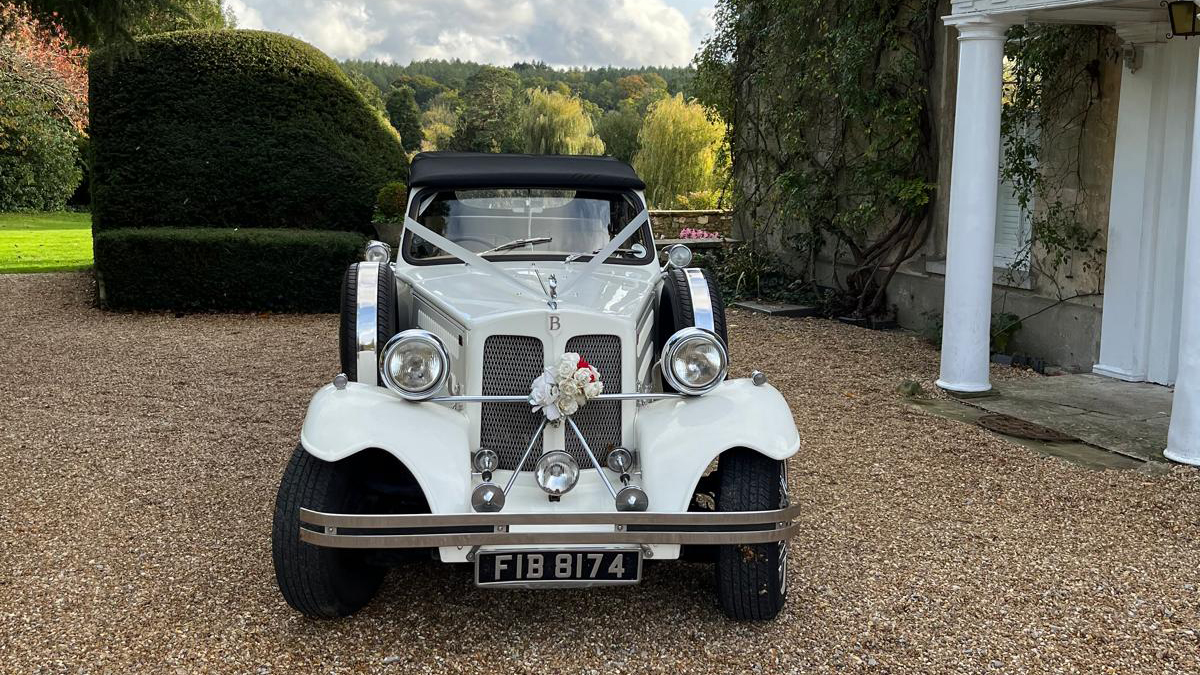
[668, 223]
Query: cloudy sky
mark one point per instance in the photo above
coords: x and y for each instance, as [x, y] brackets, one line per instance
[559, 32]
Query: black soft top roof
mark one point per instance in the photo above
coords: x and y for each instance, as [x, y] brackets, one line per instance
[488, 170]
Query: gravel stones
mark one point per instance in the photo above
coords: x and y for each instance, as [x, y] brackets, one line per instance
[139, 456]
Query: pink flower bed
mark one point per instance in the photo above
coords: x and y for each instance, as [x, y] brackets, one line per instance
[694, 233]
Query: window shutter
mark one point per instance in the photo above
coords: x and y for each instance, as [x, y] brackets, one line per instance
[1012, 234]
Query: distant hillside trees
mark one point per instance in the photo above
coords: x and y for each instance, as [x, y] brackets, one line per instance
[554, 123]
[602, 87]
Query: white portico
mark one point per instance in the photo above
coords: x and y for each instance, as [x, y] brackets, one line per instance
[1151, 320]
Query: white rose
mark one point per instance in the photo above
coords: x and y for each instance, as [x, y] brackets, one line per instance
[542, 395]
[567, 405]
[593, 389]
[567, 365]
[570, 388]
[583, 375]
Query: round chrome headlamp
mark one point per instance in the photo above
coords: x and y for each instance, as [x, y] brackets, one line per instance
[377, 252]
[694, 361]
[679, 255]
[414, 364]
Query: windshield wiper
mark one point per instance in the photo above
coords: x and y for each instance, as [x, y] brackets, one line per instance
[518, 243]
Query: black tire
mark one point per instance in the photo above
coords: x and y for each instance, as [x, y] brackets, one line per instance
[751, 578]
[385, 319]
[675, 310]
[675, 307]
[319, 582]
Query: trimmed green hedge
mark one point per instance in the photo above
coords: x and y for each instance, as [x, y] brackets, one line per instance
[234, 128]
[217, 269]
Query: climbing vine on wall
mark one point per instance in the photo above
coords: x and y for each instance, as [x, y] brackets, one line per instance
[1052, 88]
[830, 109]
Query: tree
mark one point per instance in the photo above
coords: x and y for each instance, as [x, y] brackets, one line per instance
[619, 130]
[681, 152]
[439, 122]
[43, 87]
[405, 116]
[488, 121]
[555, 124]
[424, 88]
[95, 23]
[633, 86]
[367, 88]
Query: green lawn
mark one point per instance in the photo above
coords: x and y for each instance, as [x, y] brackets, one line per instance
[45, 242]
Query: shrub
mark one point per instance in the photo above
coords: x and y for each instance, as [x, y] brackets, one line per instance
[43, 107]
[391, 202]
[218, 269]
[39, 167]
[234, 128]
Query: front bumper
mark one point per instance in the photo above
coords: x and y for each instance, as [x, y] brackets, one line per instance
[337, 530]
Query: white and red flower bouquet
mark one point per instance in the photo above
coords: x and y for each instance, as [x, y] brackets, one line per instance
[565, 387]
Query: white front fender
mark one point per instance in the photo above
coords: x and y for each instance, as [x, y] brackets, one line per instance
[678, 438]
[429, 438]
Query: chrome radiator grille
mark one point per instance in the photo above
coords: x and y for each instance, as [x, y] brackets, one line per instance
[600, 421]
[510, 364]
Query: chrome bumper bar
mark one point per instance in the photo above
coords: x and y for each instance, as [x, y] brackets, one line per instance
[338, 530]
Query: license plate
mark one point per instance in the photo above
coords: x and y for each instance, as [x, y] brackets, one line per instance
[560, 567]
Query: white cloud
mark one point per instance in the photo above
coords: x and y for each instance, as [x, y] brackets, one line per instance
[559, 32]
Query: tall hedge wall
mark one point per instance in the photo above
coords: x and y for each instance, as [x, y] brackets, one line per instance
[234, 128]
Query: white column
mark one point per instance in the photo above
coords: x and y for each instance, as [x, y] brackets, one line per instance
[974, 183]
[1133, 209]
[1183, 439]
[1171, 230]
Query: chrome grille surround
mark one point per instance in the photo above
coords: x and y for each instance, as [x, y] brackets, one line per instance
[510, 364]
[599, 421]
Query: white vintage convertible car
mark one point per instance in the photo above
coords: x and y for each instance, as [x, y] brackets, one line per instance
[526, 388]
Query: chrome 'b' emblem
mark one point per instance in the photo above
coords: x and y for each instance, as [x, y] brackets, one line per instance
[555, 323]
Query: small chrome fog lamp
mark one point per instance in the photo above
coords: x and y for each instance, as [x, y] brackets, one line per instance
[487, 498]
[632, 498]
[679, 255]
[377, 252]
[694, 361]
[486, 460]
[619, 460]
[414, 364]
[557, 472]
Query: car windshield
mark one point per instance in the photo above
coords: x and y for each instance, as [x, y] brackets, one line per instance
[530, 224]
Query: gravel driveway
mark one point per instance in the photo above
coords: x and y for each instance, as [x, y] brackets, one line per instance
[140, 456]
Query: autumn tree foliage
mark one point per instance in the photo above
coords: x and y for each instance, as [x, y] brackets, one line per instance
[41, 56]
[43, 110]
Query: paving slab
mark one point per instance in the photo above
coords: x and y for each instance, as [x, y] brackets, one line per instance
[1129, 418]
[1083, 454]
[776, 308]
